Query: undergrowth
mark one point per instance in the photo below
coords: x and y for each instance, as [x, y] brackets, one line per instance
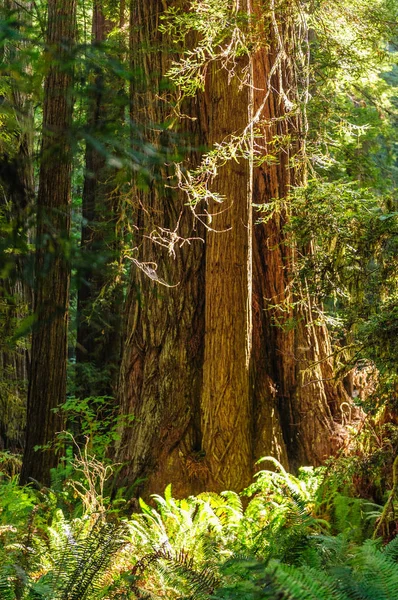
[286, 537]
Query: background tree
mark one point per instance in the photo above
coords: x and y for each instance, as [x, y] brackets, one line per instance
[99, 291]
[16, 203]
[47, 383]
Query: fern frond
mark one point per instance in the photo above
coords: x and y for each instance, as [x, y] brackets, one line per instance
[85, 558]
[391, 549]
[6, 588]
[177, 566]
[298, 583]
[375, 572]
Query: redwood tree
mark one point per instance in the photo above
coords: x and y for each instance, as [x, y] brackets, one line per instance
[98, 310]
[47, 382]
[259, 379]
[160, 376]
[291, 344]
[16, 202]
[226, 395]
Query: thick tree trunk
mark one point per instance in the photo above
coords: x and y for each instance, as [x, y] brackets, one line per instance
[295, 347]
[47, 383]
[226, 403]
[17, 195]
[261, 371]
[161, 366]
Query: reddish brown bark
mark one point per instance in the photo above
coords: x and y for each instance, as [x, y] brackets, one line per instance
[294, 347]
[226, 403]
[161, 366]
[98, 323]
[263, 392]
[47, 383]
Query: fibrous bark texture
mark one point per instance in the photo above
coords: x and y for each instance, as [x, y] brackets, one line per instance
[230, 365]
[291, 342]
[160, 376]
[47, 383]
[16, 200]
[226, 399]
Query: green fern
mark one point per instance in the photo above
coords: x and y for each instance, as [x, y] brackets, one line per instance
[303, 584]
[75, 558]
[391, 550]
[6, 588]
[206, 547]
[177, 568]
[85, 559]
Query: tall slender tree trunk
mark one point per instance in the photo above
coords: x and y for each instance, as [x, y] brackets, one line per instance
[99, 294]
[47, 383]
[16, 200]
[226, 402]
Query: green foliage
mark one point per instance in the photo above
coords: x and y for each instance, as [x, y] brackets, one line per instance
[210, 530]
[275, 548]
[352, 109]
[221, 34]
[278, 545]
[74, 557]
[351, 268]
[25, 515]
[354, 238]
[334, 569]
[86, 469]
[95, 419]
[81, 558]
[10, 463]
[16, 504]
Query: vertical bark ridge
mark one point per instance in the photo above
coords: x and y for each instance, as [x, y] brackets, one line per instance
[162, 350]
[47, 383]
[226, 396]
[298, 354]
[98, 325]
